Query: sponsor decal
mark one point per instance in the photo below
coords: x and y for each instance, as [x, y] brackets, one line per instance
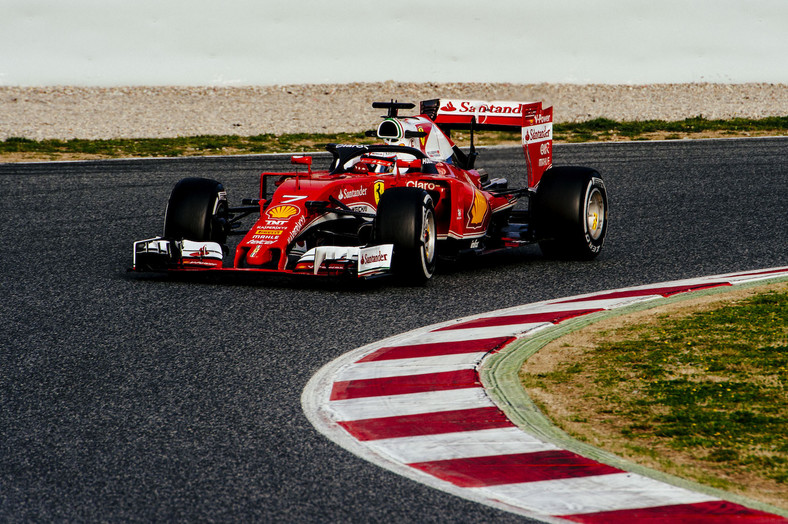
[296, 229]
[282, 211]
[374, 259]
[362, 208]
[274, 223]
[479, 107]
[542, 132]
[544, 149]
[543, 119]
[346, 193]
[261, 241]
[429, 186]
[289, 199]
[378, 189]
[478, 210]
[434, 154]
[271, 232]
[202, 252]
[544, 162]
[422, 139]
[377, 257]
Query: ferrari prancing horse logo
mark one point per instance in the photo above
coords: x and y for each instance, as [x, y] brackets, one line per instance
[379, 187]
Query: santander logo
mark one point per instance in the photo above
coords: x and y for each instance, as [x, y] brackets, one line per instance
[370, 259]
[476, 107]
[537, 133]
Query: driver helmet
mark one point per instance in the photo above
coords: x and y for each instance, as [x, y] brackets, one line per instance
[375, 164]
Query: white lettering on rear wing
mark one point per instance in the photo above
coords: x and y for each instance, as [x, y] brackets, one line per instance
[534, 122]
[461, 112]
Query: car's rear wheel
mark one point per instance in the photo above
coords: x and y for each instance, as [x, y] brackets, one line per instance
[406, 218]
[197, 210]
[570, 213]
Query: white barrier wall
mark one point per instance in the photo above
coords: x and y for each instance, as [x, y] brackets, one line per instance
[266, 42]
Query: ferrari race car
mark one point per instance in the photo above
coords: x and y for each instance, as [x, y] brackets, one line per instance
[392, 208]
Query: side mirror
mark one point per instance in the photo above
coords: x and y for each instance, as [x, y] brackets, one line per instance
[303, 160]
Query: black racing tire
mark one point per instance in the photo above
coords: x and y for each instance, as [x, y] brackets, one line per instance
[197, 210]
[406, 218]
[570, 213]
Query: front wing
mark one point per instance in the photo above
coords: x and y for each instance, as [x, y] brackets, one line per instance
[163, 255]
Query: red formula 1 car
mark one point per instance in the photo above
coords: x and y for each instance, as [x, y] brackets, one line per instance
[391, 208]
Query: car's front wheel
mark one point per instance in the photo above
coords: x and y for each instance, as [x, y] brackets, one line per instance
[197, 210]
[406, 218]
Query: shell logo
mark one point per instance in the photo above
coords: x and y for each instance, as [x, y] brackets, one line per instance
[478, 210]
[282, 211]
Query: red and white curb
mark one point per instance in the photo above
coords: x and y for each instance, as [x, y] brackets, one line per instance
[414, 404]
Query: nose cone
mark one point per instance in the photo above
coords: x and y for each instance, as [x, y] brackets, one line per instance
[258, 256]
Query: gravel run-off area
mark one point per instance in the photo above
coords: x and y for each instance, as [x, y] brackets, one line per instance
[158, 112]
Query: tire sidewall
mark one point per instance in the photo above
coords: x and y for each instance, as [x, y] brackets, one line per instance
[403, 213]
[427, 221]
[560, 213]
[193, 208]
[594, 245]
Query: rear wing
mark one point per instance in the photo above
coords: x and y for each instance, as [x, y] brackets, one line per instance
[534, 122]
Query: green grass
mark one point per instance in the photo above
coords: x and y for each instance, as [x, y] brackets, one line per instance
[197, 145]
[712, 385]
[599, 129]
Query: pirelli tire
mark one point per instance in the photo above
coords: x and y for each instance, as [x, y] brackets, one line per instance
[406, 218]
[197, 210]
[571, 213]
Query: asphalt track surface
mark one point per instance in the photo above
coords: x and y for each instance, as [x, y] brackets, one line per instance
[126, 397]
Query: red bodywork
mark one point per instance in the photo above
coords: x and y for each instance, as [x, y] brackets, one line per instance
[342, 201]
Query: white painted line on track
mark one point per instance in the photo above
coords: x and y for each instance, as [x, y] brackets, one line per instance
[409, 404]
[446, 446]
[410, 366]
[458, 335]
[593, 494]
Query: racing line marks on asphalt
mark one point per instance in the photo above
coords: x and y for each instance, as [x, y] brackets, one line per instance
[415, 405]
